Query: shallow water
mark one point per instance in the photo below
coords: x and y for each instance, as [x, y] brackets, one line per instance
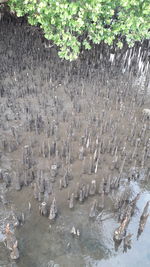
[94, 103]
[40, 244]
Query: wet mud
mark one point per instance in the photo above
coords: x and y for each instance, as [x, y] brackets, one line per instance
[74, 153]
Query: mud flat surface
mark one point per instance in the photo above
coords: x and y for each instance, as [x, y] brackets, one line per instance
[76, 137]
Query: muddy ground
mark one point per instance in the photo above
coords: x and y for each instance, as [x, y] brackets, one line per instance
[74, 132]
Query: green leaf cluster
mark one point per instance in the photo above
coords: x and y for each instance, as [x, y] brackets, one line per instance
[73, 24]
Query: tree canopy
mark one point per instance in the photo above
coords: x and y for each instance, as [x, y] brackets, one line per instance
[76, 24]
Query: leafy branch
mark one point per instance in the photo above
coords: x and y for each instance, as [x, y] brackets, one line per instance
[80, 23]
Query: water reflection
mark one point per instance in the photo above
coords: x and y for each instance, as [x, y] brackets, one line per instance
[56, 245]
